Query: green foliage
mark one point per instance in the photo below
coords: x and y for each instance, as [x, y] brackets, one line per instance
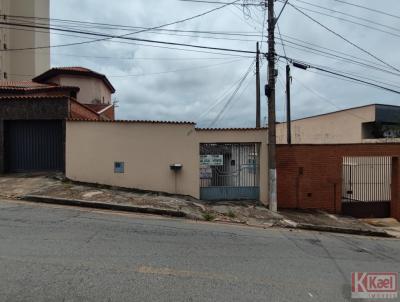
[208, 216]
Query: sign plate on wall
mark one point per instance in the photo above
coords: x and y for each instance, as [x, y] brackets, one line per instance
[211, 160]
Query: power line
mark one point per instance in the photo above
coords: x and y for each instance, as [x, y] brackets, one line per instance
[220, 2]
[131, 43]
[307, 65]
[108, 37]
[280, 36]
[189, 31]
[159, 73]
[332, 50]
[232, 96]
[355, 79]
[243, 19]
[337, 57]
[347, 14]
[320, 96]
[151, 41]
[238, 96]
[323, 52]
[263, 27]
[174, 71]
[124, 27]
[368, 8]
[161, 32]
[349, 21]
[343, 38]
[280, 13]
[118, 37]
[221, 97]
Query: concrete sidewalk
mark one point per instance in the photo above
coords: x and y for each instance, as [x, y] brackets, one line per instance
[390, 225]
[54, 189]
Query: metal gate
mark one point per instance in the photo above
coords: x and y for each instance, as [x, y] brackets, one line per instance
[34, 146]
[229, 172]
[366, 190]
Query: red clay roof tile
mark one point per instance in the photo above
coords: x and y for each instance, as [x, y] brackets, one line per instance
[31, 86]
[32, 97]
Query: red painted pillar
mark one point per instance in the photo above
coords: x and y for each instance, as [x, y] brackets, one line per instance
[395, 204]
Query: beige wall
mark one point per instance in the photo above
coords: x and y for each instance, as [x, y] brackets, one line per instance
[24, 65]
[148, 149]
[91, 89]
[343, 127]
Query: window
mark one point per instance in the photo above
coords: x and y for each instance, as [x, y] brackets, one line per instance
[119, 167]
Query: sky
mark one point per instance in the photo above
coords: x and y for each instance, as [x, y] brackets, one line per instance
[168, 84]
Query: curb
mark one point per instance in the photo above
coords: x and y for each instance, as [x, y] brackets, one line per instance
[181, 214]
[101, 205]
[332, 229]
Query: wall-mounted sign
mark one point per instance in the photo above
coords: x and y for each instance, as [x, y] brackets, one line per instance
[211, 160]
[205, 173]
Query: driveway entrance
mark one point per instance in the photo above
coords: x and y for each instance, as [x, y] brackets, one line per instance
[366, 189]
[34, 145]
[229, 172]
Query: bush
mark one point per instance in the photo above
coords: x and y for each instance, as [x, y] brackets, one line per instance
[208, 216]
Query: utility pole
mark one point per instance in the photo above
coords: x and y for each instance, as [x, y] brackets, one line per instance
[273, 204]
[288, 114]
[258, 93]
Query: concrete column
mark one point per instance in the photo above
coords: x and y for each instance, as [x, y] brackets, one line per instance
[395, 203]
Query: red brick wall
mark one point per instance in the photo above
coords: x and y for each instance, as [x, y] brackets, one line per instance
[109, 113]
[310, 176]
[77, 110]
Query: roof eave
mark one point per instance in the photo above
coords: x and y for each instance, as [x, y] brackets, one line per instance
[55, 72]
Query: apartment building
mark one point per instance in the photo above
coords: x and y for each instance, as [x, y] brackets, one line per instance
[375, 123]
[23, 65]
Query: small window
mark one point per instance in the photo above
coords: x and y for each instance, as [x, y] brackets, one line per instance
[119, 167]
[5, 75]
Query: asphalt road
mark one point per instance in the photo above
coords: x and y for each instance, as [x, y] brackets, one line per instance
[50, 253]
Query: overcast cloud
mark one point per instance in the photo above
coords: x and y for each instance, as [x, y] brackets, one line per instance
[189, 94]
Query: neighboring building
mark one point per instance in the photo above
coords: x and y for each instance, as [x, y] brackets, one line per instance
[92, 90]
[22, 65]
[371, 123]
[95, 90]
[33, 115]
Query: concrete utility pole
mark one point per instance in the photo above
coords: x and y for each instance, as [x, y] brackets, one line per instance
[288, 114]
[273, 204]
[258, 93]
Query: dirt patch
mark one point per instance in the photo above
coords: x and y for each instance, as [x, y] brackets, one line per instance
[14, 186]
